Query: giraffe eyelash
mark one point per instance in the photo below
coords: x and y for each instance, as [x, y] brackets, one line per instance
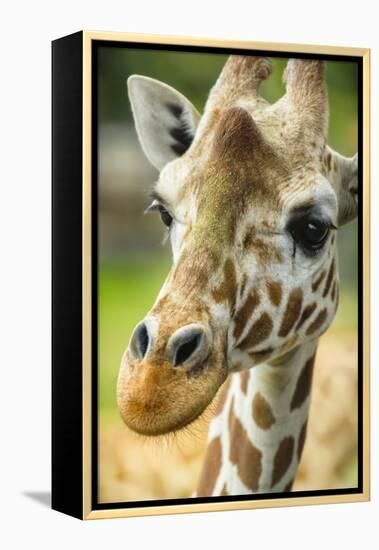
[153, 207]
[157, 206]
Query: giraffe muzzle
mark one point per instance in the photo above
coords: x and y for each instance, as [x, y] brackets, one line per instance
[168, 377]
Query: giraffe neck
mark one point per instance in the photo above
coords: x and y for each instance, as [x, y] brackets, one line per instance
[257, 435]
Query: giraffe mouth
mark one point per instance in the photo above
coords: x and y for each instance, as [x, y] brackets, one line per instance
[158, 398]
[149, 428]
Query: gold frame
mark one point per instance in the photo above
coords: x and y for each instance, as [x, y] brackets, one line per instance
[364, 53]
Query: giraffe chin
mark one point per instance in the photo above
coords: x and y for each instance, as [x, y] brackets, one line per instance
[157, 398]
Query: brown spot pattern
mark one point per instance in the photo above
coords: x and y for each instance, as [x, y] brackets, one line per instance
[293, 309]
[243, 453]
[224, 491]
[318, 281]
[307, 312]
[244, 380]
[318, 322]
[265, 251]
[260, 330]
[283, 459]
[301, 441]
[244, 314]
[303, 385]
[211, 469]
[274, 289]
[262, 250]
[262, 413]
[226, 292]
[329, 279]
[223, 395]
[190, 275]
[288, 487]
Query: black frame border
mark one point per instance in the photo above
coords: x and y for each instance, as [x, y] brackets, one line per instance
[67, 254]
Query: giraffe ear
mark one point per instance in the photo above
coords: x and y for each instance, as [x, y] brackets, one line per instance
[348, 189]
[165, 120]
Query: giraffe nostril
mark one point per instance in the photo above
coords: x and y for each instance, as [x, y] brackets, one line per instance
[189, 346]
[186, 349]
[140, 341]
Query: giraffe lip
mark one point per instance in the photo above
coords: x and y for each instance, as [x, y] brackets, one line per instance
[151, 428]
[163, 400]
[169, 429]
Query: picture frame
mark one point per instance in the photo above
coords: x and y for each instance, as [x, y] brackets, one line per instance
[76, 203]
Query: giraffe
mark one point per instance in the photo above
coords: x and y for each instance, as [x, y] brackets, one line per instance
[252, 197]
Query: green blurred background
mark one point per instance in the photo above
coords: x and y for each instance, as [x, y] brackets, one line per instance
[132, 261]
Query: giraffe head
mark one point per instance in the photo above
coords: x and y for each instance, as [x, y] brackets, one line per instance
[252, 197]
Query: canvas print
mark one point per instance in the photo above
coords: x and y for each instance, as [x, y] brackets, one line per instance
[228, 265]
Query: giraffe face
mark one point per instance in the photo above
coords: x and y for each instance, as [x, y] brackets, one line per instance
[252, 215]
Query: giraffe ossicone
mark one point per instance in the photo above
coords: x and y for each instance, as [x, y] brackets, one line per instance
[252, 197]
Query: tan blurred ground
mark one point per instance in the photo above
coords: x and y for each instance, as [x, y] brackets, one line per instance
[134, 469]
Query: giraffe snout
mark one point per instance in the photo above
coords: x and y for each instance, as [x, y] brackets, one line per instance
[188, 346]
[169, 374]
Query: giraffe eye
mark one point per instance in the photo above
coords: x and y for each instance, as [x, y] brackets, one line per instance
[309, 233]
[164, 213]
[165, 216]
